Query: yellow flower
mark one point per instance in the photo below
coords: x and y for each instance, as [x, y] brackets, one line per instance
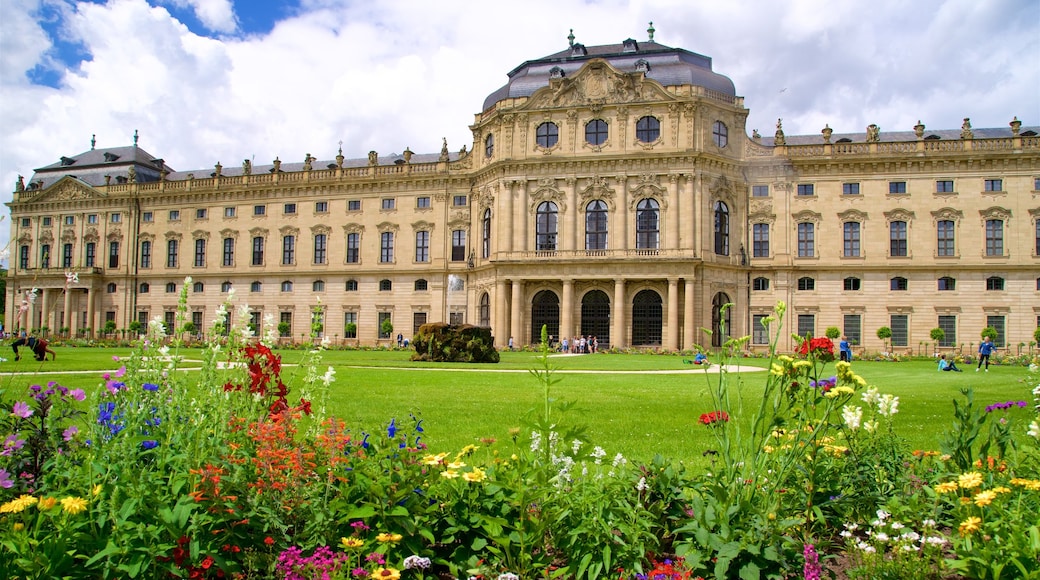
[388, 538]
[434, 459]
[777, 370]
[473, 476]
[969, 526]
[386, 574]
[456, 465]
[450, 474]
[74, 505]
[984, 498]
[946, 487]
[843, 390]
[467, 450]
[767, 448]
[17, 505]
[46, 503]
[1001, 489]
[970, 480]
[98, 488]
[351, 543]
[802, 364]
[19, 526]
[1030, 484]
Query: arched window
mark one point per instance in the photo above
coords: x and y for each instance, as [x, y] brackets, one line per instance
[596, 132]
[421, 285]
[721, 319]
[287, 286]
[851, 284]
[111, 288]
[648, 129]
[947, 284]
[256, 286]
[318, 286]
[545, 226]
[994, 283]
[647, 312]
[760, 284]
[721, 229]
[225, 286]
[144, 288]
[385, 285]
[489, 146]
[596, 225]
[485, 242]
[197, 287]
[484, 315]
[595, 317]
[171, 287]
[898, 284]
[648, 229]
[352, 285]
[545, 311]
[806, 283]
[547, 134]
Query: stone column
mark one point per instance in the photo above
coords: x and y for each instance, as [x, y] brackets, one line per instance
[621, 216]
[671, 341]
[617, 331]
[70, 316]
[91, 322]
[698, 218]
[567, 309]
[571, 237]
[501, 322]
[672, 235]
[689, 327]
[520, 234]
[44, 310]
[514, 318]
[505, 222]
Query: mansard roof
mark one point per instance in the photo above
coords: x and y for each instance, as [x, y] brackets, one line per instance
[666, 65]
[92, 166]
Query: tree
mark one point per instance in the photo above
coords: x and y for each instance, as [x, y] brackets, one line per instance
[110, 326]
[990, 332]
[386, 328]
[937, 335]
[832, 332]
[135, 326]
[350, 330]
[1036, 336]
[284, 328]
[884, 333]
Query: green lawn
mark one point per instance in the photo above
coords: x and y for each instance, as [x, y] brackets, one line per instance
[636, 412]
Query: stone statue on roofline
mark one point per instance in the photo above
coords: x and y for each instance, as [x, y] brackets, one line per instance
[19, 185]
[307, 161]
[966, 132]
[444, 149]
[247, 167]
[778, 137]
[873, 133]
[373, 157]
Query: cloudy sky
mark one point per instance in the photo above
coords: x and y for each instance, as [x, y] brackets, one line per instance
[223, 80]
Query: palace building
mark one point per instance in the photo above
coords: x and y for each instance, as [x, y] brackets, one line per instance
[609, 191]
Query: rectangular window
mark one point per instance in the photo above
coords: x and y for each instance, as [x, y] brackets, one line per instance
[285, 317]
[945, 239]
[850, 189]
[171, 253]
[388, 203]
[805, 189]
[147, 217]
[229, 252]
[320, 248]
[116, 218]
[353, 248]
[994, 184]
[23, 257]
[93, 218]
[1037, 227]
[458, 200]
[200, 213]
[229, 212]
[994, 237]
[174, 216]
[288, 250]
[944, 186]
[350, 324]
[458, 246]
[896, 187]
[113, 254]
[386, 247]
[422, 246]
[200, 253]
[46, 222]
[997, 322]
[422, 202]
[759, 191]
[289, 208]
[899, 323]
[70, 220]
[806, 324]
[45, 256]
[759, 333]
[897, 247]
[259, 210]
[146, 254]
[806, 241]
[853, 328]
[66, 256]
[383, 316]
[321, 207]
[258, 251]
[91, 254]
[26, 222]
[196, 319]
[418, 319]
[948, 324]
[354, 205]
[851, 239]
[760, 241]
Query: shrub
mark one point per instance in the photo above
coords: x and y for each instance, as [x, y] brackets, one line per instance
[443, 342]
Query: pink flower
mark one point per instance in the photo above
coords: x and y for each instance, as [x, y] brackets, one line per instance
[69, 433]
[21, 409]
[77, 394]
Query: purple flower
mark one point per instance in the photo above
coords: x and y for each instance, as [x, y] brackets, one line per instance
[78, 394]
[830, 382]
[150, 387]
[12, 444]
[5, 479]
[21, 409]
[69, 433]
[115, 357]
[811, 570]
[149, 444]
[121, 371]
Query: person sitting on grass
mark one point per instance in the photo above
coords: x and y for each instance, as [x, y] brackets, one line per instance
[700, 359]
[947, 365]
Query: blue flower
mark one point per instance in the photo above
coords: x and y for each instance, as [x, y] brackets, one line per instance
[150, 387]
[149, 444]
[392, 429]
[364, 442]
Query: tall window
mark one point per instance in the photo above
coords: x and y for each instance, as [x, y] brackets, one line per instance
[229, 252]
[458, 245]
[853, 328]
[759, 331]
[66, 256]
[760, 240]
[383, 317]
[258, 251]
[489, 145]
[994, 237]
[422, 246]
[89, 258]
[721, 229]
[200, 253]
[547, 134]
[485, 244]
[806, 324]
[596, 132]
[171, 253]
[897, 239]
[648, 228]
[386, 247]
[545, 226]
[23, 256]
[321, 242]
[648, 129]
[596, 225]
[720, 134]
[899, 323]
[945, 238]
[113, 254]
[353, 248]
[288, 250]
[146, 254]
[45, 256]
[350, 324]
[851, 236]
[806, 240]
[1037, 226]
[997, 322]
[949, 326]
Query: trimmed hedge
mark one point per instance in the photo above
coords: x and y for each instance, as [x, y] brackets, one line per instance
[442, 342]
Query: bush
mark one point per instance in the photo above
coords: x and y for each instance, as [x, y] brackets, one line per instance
[443, 342]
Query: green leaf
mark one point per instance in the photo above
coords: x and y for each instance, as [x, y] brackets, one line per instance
[361, 512]
[750, 571]
[583, 564]
[478, 544]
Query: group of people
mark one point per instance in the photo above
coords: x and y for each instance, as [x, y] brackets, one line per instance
[579, 345]
[986, 348]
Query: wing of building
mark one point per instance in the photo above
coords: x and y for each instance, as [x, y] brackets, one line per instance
[609, 191]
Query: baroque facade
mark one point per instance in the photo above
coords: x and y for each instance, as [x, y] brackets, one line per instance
[609, 191]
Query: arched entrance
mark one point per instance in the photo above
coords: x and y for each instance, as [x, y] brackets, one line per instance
[646, 319]
[595, 316]
[721, 324]
[545, 311]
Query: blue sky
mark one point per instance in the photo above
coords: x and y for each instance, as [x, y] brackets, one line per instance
[219, 80]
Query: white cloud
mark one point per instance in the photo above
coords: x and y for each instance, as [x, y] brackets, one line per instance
[216, 15]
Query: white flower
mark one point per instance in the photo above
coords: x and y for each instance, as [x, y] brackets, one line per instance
[536, 441]
[187, 280]
[329, 376]
[619, 460]
[412, 562]
[325, 341]
[845, 534]
[881, 537]
[888, 405]
[1034, 430]
[897, 526]
[71, 278]
[910, 548]
[641, 486]
[598, 454]
[853, 416]
[508, 576]
[231, 294]
[929, 523]
[883, 515]
[575, 446]
[871, 396]
[934, 540]
[870, 426]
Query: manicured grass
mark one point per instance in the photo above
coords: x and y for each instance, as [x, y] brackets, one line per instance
[639, 414]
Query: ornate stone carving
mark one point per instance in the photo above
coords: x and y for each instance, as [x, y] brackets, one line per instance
[806, 216]
[289, 231]
[852, 215]
[228, 233]
[259, 232]
[899, 215]
[422, 226]
[966, 132]
[947, 213]
[320, 229]
[353, 228]
[995, 213]
[387, 227]
[778, 137]
[873, 133]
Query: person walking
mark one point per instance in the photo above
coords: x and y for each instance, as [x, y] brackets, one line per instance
[947, 365]
[986, 348]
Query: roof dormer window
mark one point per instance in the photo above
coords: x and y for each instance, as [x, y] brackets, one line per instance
[65, 161]
[578, 49]
[629, 45]
[642, 66]
[556, 73]
[110, 157]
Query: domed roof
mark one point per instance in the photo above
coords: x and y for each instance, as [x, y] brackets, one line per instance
[666, 65]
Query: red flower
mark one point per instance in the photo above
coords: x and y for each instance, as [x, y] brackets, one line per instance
[714, 417]
[269, 541]
[819, 347]
[207, 562]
